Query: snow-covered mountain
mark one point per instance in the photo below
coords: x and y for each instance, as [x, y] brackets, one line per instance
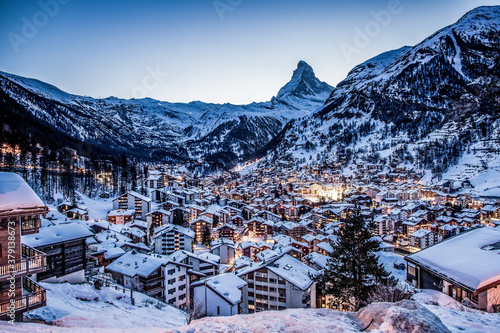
[220, 133]
[422, 106]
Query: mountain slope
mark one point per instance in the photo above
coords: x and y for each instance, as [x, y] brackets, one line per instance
[421, 106]
[223, 133]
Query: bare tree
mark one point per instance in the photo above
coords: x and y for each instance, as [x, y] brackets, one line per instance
[390, 291]
[196, 311]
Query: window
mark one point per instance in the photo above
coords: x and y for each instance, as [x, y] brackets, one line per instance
[411, 270]
[181, 278]
[171, 301]
[171, 281]
[272, 280]
[171, 291]
[272, 290]
[171, 271]
[218, 310]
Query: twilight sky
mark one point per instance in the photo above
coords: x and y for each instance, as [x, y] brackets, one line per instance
[235, 51]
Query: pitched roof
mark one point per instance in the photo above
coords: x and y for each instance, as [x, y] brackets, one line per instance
[471, 258]
[56, 234]
[17, 195]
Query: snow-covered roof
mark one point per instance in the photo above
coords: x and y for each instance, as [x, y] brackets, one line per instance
[17, 195]
[159, 231]
[318, 259]
[113, 252]
[294, 271]
[132, 264]
[127, 212]
[227, 285]
[325, 246]
[420, 233]
[471, 258]
[56, 234]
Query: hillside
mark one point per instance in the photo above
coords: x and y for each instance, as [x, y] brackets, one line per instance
[423, 107]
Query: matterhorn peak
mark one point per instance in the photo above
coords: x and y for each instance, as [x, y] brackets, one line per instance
[304, 84]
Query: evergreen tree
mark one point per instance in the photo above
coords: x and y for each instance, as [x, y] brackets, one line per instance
[353, 269]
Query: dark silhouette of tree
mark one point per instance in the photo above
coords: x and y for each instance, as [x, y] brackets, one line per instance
[353, 269]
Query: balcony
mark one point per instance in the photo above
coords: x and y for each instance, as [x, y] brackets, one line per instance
[36, 298]
[33, 262]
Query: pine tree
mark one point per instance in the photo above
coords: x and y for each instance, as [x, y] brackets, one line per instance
[353, 269]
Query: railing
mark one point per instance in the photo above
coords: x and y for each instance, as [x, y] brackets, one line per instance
[36, 299]
[33, 261]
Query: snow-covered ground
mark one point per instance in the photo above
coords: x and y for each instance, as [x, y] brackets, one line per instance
[112, 312]
[387, 259]
[82, 306]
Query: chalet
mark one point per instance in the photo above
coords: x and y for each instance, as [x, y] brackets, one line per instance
[221, 295]
[180, 216]
[157, 218]
[133, 200]
[466, 266]
[258, 227]
[423, 238]
[199, 264]
[20, 211]
[121, 216]
[325, 248]
[154, 276]
[383, 225]
[412, 224]
[225, 249]
[77, 214]
[312, 241]
[170, 238]
[65, 248]
[279, 284]
[237, 220]
[228, 231]
[136, 234]
[199, 226]
[248, 249]
[294, 230]
[194, 211]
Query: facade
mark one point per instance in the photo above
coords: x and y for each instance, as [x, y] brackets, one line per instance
[258, 227]
[158, 218]
[225, 249]
[423, 238]
[170, 238]
[133, 201]
[465, 267]
[221, 295]
[199, 225]
[279, 284]
[121, 216]
[20, 210]
[65, 247]
[160, 278]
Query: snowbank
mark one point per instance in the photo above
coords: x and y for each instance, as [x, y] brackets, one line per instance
[83, 306]
[403, 316]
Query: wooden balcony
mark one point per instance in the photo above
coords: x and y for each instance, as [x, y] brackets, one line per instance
[33, 262]
[36, 298]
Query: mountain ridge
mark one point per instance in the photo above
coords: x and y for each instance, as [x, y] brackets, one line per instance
[220, 133]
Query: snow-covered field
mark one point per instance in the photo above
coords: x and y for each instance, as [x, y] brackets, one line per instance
[82, 306]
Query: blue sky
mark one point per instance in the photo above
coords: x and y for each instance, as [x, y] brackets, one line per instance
[235, 51]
